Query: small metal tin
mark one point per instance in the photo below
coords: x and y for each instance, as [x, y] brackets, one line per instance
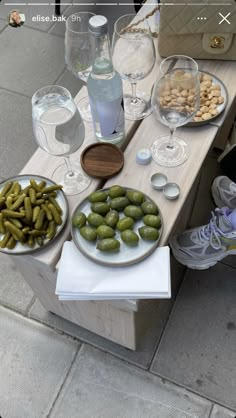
[171, 191]
[143, 156]
[158, 181]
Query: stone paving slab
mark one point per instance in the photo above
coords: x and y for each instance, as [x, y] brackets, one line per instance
[219, 412]
[100, 386]
[145, 350]
[3, 25]
[198, 346]
[17, 138]
[70, 82]
[33, 10]
[34, 364]
[14, 291]
[37, 62]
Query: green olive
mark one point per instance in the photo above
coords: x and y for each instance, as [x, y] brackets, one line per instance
[152, 220]
[149, 208]
[100, 207]
[116, 191]
[98, 196]
[104, 231]
[129, 237]
[125, 223]
[108, 244]
[133, 211]
[79, 220]
[148, 233]
[119, 203]
[88, 233]
[135, 197]
[95, 219]
[111, 218]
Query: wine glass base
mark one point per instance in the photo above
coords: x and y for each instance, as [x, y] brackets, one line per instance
[139, 109]
[169, 157]
[84, 109]
[72, 184]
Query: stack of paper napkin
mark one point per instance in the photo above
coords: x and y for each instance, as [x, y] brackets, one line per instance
[80, 278]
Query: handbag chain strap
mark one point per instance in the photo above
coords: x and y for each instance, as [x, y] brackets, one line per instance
[131, 28]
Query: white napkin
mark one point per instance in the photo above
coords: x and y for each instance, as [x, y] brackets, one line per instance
[79, 278]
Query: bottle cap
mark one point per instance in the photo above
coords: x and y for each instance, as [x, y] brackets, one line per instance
[158, 181]
[171, 191]
[143, 156]
[98, 25]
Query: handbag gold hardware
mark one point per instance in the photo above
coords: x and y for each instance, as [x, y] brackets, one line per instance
[217, 42]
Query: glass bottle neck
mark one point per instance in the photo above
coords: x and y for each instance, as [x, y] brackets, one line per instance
[102, 60]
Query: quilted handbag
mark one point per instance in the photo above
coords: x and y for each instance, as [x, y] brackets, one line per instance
[203, 32]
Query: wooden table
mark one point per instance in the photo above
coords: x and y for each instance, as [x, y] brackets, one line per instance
[123, 321]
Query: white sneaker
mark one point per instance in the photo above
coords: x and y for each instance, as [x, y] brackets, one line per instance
[224, 192]
[202, 247]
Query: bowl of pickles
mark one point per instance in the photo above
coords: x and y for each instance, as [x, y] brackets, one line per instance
[117, 226]
[33, 212]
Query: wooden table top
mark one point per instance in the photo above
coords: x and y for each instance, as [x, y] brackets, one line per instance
[141, 134]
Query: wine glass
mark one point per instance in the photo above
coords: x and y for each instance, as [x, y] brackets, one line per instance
[175, 100]
[78, 55]
[134, 56]
[59, 130]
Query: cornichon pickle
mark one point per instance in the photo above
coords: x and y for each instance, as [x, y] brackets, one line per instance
[2, 227]
[135, 197]
[11, 243]
[50, 189]
[125, 223]
[98, 196]
[16, 232]
[51, 231]
[36, 211]
[79, 220]
[95, 219]
[129, 237]
[2, 201]
[12, 213]
[133, 211]
[56, 215]
[100, 207]
[6, 188]
[108, 244]
[40, 219]
[111, 218]
[105, 231]
[32, 195]
[152, 220]
[28, 209]
[149, 208]
[88, 233]
[54, 202]
[119, 203]
[148, 233]
[5, 239]
[116, 191]
[47, 211]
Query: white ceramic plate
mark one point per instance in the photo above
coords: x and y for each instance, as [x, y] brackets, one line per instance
[24, 181]
[127, 255]
[220, 107]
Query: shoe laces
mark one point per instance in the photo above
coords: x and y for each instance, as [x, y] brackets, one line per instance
[212, 231]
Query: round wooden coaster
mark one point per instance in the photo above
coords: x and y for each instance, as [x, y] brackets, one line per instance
[102, 160]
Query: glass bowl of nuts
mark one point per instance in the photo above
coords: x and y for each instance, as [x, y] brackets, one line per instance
[213, 99]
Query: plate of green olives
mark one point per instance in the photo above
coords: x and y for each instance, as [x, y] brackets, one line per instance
[117, 226]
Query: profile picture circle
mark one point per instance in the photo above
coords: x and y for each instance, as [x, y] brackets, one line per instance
[16, 19]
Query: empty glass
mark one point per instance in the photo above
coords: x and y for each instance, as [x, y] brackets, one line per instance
[59, 130]
[134, 56]
[175, 100]
[78, 55]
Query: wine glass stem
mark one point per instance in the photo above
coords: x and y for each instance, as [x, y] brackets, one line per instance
[171, 138]
[70, 172]
[134, 97]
